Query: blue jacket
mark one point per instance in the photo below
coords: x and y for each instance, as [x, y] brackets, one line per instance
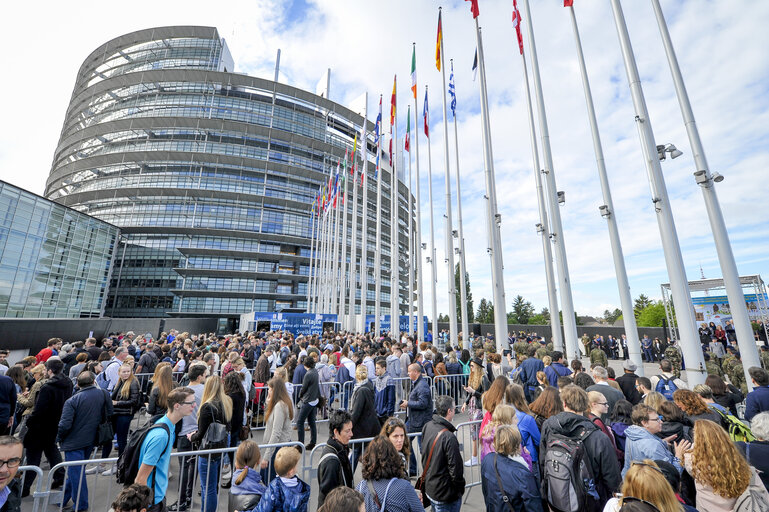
[757, 401]
[529, 369]
[81, 417]
[518, 482]
[281, 498]
[384, 396]
[530, 435]
[248, 493]
[420, 405]
[640, 444]
[554, 371]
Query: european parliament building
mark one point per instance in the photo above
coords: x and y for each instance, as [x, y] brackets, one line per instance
[209, 174]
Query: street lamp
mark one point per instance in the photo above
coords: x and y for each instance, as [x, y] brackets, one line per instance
[668, 148]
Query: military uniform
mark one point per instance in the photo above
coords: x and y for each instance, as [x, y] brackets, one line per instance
[521, 348]
[713, 368]
[598, 356]
[737, 376]
[542, 352]
[673, 354]
[764, 355]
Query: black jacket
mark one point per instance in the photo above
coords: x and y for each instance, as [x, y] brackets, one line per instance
[445, 478]
[210, 412]
[13, 503]
[130, 406]
[238, 409]
[598, 451]
[680, 429]
[43, 422]
[334, 469]
[420, 405]
[729, 400]
[81, 417]
[627, 383]
[365, 422]
[310, 387]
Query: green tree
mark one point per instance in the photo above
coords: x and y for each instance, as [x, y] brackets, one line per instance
[470, 312]
[652, 315]
[485, 313]
[640, 304]
[443, 318]
[611, 316]
[541, 318]
[576, 317]
[522, 310]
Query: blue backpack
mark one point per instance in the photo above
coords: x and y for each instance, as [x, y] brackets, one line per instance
[666, 387]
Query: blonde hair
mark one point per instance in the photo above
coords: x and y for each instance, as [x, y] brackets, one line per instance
[503, 415]
[361, 373]
[38, 370]
[214, 391]
[645, 481]
[655, 400]
[246, 457]
[286, 459]
[507, 440]
[125, 391]
[476, 376]
[717, 462]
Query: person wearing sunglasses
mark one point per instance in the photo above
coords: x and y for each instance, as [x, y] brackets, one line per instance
[642, 441]
[10, 487]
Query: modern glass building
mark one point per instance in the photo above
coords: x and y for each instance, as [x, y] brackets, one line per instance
[209, 174]
[54, 261]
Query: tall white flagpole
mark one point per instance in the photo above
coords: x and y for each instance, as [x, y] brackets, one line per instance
[679, 286]
[431, 258]
[703, 177]
[608, 212]
[322, 259]
[557, 235]
[543, 228]
[418, 251]
[312, 257]
[411, 237]
[342, 319]
[461, 235]
[327, 257]
[349, 323]
[449, 226]
[493, 218]
[378, 251]
[335, 253]
[361, 277]
[394, 249]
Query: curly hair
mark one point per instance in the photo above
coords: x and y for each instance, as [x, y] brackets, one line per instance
[380, 461]
[548, 403]
[389, 427]
[717, 462]
[691, 403]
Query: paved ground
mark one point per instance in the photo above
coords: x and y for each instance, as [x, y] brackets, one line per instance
[103, 489]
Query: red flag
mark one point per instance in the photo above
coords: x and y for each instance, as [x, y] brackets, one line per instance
[473, 7]
[438, 42]
[517, 25]
[568, 3]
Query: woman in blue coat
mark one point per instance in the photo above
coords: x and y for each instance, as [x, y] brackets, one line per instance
[505, 473]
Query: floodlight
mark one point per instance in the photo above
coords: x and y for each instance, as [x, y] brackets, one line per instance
[718, 177]
[561, 197]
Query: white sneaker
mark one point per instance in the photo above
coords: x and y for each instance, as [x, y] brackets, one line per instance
[110, 471]
[472, 461]
[96, 469]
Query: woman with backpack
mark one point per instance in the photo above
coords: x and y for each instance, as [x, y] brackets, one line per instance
[126, 400]
[384, 485]
[694, 406]
[233, 388]
[721, 474]
[547, 404]
[214, 423]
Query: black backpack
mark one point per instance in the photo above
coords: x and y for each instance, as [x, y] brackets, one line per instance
[567, 480]
[128, 463]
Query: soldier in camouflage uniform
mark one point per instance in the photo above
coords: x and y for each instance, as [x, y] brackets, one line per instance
[712, 366]
[586, 342]
[598, 356]
[673, 354]
[542, 352]
[764, 356]
[521, 348]
[733, 369]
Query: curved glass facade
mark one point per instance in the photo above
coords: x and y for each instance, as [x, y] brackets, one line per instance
[209, 174]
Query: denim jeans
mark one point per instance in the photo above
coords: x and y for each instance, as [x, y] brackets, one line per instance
[209, 482]
[306, 412]
[75, 487]
[186, 470]
[122, 426]
[413, 469]
[454, 506]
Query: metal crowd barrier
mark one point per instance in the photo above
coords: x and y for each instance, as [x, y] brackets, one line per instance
[37, 493]
[451, 385]
[465, 434]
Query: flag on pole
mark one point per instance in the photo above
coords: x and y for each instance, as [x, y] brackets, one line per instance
[568, 3]
[475, 65]
[377, 134]
[452, 92]
[408, 130]
[438, 42]
[517, 25]
[473, 7]
[354, 149]
[392, 116]
[426, 117]
[414, 71]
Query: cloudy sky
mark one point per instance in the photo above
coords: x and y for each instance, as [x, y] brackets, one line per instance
[722, 47]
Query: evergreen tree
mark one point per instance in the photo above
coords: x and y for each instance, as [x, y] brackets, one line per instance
[485, 313]
[640, 304]
[522, 310]
[611, 316]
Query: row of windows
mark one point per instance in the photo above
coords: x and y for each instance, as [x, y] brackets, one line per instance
[139, 301]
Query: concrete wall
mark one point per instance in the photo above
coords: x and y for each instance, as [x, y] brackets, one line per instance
[546, 331]
[31, 334]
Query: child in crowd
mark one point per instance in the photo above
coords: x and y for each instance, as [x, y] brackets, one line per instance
[287, 493]
[134, 498]
[247, 487]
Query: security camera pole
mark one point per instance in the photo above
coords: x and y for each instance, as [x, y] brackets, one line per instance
[703, 177]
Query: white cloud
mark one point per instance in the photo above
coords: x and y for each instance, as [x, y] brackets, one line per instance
[721, 47]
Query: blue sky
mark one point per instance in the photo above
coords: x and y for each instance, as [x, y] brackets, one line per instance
[722, 47]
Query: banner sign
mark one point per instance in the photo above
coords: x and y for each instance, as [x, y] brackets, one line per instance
[717, 310]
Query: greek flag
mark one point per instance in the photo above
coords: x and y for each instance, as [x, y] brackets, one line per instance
[452, 92]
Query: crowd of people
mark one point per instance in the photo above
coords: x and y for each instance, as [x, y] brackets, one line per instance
[546, 434]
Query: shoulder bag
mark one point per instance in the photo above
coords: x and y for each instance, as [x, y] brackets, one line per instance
[420, 485]
[216, 434]
[502, 489]
[104, 433]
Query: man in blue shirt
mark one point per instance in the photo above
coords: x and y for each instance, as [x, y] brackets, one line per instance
[155, 453]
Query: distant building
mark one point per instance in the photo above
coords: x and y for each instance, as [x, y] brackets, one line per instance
[209, 174]
[54, 261]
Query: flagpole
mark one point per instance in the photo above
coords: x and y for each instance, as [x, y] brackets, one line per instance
[557, 234]
[343, 259]
[362, 276]
[433, 269]
[411, 235]
[462, 268]
[608, 212]
[335, 252]
[679, 286]
[543, 228]
[703, 177]
[418, 256]
[394, 249]
[449, 225]
[312, 257]
[493, 217]
[348, 324]
[325, 307]
[320, 308]
[378, 251]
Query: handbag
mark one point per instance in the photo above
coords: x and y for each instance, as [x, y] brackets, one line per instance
[104, 433]
[505, 498]
[420, 485]
[216, 435]
[244, 433]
